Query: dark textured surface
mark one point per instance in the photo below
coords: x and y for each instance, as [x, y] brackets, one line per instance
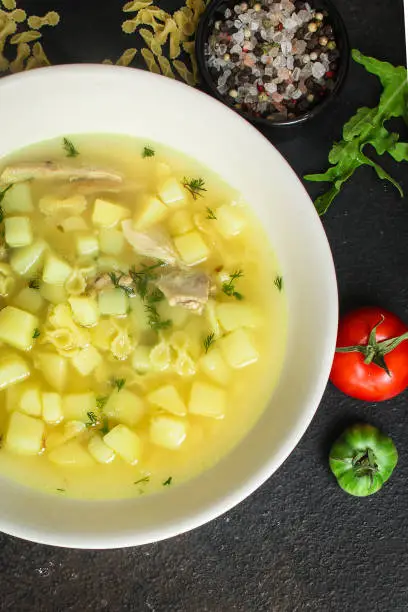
[299, 543]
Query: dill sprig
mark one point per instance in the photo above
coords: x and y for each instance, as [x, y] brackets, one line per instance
[229, 286]
[36, 333]
[69, 148]
[118, 383]
[101, 402]
[208, 341]
[195, 186]
[147, 152]
[210, 213]
[167, 482]
[278, 282]
[34, 283]
[93, 419]
[142, 480]
[154, 319]
[142, 277]
[116, 278]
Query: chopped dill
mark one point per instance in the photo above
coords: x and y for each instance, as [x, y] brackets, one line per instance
[69, 148]
[210, 214]
[142, 480]
[278, 282]
[61, 490]
[148, 152]
[141, 278]
[167, 482]
[104, 426]
[34, 283]
[93, 419]
[154, 318]
[155, 296]
[229, 286]
[208, 341]
[101, 401]
[194, 186]
[116, 278]
[118, 383]
[36, 333]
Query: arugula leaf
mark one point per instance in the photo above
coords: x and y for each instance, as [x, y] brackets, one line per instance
[366, 127]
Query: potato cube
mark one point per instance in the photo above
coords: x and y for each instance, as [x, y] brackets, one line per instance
[230, 220]
[238, 349]
[51, 205]
[107, 214]
[171, 193]
[113, 302]
[73, 429]
[56, 270]
[74, 224]
[153, 211]
[55, 294]
[85, 310]
[232, 316]
[13, 369]
[76, 406]
[180, 222]
[29, 299]
[18, 199]
[71, 453]
[214, 366]
[100, 451]
[125, 443]
[191, 247]
[30, 401]
[141, 359]
[167, 432]
[86, 360]
[17, 327]
[168, 398]
[207, 400]
[87, 245]
[54, 368]
[18, 232]
[25, 434]
[112, 241]
[125, 407]
[54, 439]
[52, 408]
[27, 260]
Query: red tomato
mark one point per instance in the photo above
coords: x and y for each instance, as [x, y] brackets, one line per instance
[370, 381]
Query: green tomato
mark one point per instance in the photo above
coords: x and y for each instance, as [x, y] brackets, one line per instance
[362, 459]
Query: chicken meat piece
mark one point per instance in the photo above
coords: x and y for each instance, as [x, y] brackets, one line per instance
[155, 243]
[49, 170]
[186, 288]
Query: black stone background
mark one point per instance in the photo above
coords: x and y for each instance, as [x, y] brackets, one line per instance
[299, 543]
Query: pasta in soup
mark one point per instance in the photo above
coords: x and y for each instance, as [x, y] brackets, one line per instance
[142, 317]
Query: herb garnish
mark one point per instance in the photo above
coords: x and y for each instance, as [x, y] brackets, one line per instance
[104, 426]
[142, 480]
[278, 282]
[141, 278]
[61, 490]
[34, 283]
[36, 333]
[116, 278]
[167, 482]
[147, 152]
[70, 149]
[118, 383]
[154, 318]
[210, 214]
[229, 286]
[208, 341]
[101, 401]
[366, 127]
[194, 186]
[93, 419]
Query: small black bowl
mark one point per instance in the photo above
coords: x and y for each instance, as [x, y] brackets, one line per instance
[215, 11]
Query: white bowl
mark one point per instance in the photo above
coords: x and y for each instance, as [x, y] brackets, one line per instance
[73, 99]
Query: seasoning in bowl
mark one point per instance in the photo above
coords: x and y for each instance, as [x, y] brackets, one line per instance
[274, 60]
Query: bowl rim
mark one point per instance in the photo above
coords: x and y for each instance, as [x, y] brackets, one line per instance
[257, 478]
[202, 36]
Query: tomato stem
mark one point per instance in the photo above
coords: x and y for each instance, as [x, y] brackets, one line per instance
[373, 351]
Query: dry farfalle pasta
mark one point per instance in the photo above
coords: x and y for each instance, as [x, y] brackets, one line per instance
[21, 31]
[167, 36]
